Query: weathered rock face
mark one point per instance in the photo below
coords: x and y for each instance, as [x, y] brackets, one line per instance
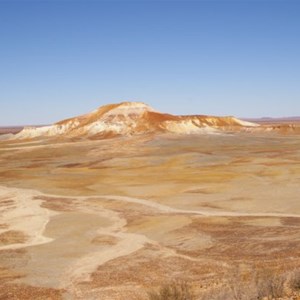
[129, 118]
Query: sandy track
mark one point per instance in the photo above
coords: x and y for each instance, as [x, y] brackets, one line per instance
[168, 209]
[28, 216]
[127, 243]
[24, 214]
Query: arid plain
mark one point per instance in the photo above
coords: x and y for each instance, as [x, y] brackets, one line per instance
[115, 218]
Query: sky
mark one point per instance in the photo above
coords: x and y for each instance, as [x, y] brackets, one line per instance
[59, 59]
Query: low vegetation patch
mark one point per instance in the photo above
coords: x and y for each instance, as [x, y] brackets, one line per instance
[173, 291]
[254, 285]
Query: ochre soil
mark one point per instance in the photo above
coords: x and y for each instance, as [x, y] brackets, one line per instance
[115, 218]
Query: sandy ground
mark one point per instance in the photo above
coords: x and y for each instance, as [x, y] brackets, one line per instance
[114, 218]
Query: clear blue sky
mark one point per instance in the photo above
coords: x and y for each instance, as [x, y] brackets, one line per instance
[63, 58]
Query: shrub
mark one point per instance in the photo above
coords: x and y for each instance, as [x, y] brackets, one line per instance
[270, 286]
[295, 281]
[173, 291]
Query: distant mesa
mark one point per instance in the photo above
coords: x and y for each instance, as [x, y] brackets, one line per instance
[133, 118]
[282, 120]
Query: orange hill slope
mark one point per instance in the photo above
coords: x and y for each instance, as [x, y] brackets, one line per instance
[129, 118]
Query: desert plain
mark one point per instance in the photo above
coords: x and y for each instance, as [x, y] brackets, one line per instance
[116, 218]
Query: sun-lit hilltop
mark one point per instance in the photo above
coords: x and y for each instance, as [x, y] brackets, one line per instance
[129, 118]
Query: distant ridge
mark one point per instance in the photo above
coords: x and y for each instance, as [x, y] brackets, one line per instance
[132, 118]
[10, 129]
[295, 119]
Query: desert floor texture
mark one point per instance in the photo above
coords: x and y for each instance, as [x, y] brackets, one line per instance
[111, 219]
